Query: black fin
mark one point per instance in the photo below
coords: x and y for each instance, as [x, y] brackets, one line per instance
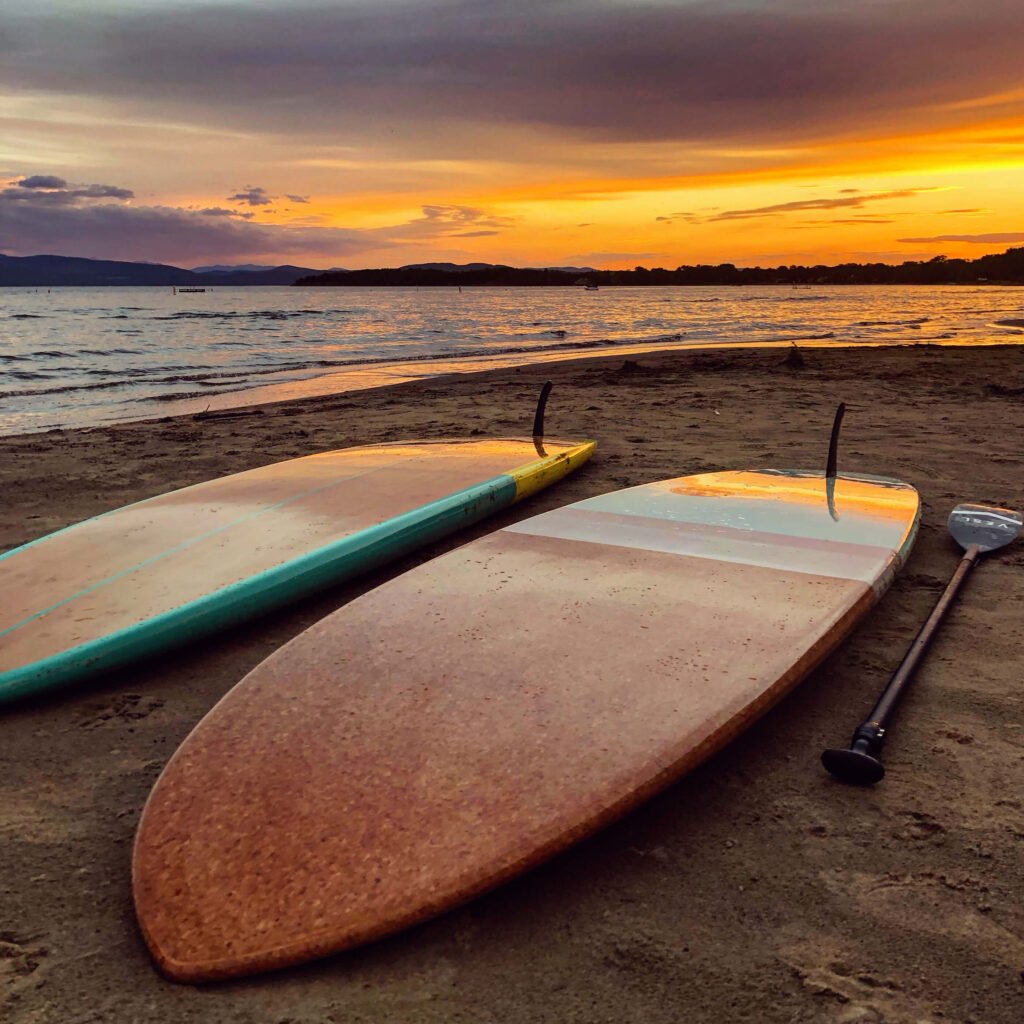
[831, 470]
[538, 419]
[833, 445]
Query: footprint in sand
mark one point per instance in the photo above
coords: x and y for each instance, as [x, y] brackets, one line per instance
[128, 707]
[20, 958]
[846, 993]
[951, 908]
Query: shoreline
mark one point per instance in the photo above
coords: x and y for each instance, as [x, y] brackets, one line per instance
[359, 376]
[755, 883]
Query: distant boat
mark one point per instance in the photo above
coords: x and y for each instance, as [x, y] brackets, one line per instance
[184, 290]
[590, 288]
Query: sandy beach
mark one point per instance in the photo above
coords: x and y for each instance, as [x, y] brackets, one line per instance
[756, 889]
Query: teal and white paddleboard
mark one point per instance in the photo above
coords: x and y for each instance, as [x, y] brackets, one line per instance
[153, 575]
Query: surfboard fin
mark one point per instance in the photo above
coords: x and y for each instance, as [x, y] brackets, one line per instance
[831, 469]
[538, 419]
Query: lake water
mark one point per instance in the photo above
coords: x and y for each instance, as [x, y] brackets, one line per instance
[79, 356]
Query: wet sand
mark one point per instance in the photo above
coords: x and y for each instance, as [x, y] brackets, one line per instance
[754, 890]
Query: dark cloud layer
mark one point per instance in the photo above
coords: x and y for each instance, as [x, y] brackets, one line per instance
[613, 70]
[84, 222]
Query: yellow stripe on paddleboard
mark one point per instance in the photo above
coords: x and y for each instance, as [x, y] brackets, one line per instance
[535, 476]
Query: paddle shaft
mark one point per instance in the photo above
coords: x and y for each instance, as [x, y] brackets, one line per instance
[890, 697]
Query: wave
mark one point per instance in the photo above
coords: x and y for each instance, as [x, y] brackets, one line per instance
[63, 389]
[136, 376]
[258, 314]
[244, 377]
[892, 323]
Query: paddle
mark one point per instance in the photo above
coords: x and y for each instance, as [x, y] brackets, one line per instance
[978, 529]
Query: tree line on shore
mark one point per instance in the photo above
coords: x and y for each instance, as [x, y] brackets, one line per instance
[1001, 268]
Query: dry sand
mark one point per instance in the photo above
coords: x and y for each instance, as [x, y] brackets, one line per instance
[754, 890]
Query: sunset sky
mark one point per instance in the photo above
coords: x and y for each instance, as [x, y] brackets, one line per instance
[608, 133]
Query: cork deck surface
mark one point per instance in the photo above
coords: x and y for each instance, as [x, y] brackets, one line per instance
[472, 717]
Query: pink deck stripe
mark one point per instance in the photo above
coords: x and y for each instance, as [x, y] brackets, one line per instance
[838, 559]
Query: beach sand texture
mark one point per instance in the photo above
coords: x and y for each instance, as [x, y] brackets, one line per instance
[757, 889]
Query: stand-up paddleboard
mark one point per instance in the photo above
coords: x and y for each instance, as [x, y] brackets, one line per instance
[481, 712]
[164, 571]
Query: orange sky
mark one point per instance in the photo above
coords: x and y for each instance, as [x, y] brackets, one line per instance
[612, 133]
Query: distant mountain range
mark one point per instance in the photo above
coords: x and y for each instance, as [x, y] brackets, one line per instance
[57, 271]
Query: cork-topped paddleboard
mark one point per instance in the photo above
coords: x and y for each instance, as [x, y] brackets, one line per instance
[164, 571]
[472, 717]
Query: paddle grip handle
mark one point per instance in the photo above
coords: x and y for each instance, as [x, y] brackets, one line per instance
[867, 739]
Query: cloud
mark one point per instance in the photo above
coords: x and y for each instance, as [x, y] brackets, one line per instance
[803, 205]
[102, 192]
[684, 215]
[431, 73]
[256, 195]
[252, 195]
[48, 190]
[994, 238]
[42, 181]
[220, 211]
[841, 202]
[96, 222]
[167, 234]
[451, 220]
[454, 214]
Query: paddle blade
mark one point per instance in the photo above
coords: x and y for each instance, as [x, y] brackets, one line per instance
[985, 525]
